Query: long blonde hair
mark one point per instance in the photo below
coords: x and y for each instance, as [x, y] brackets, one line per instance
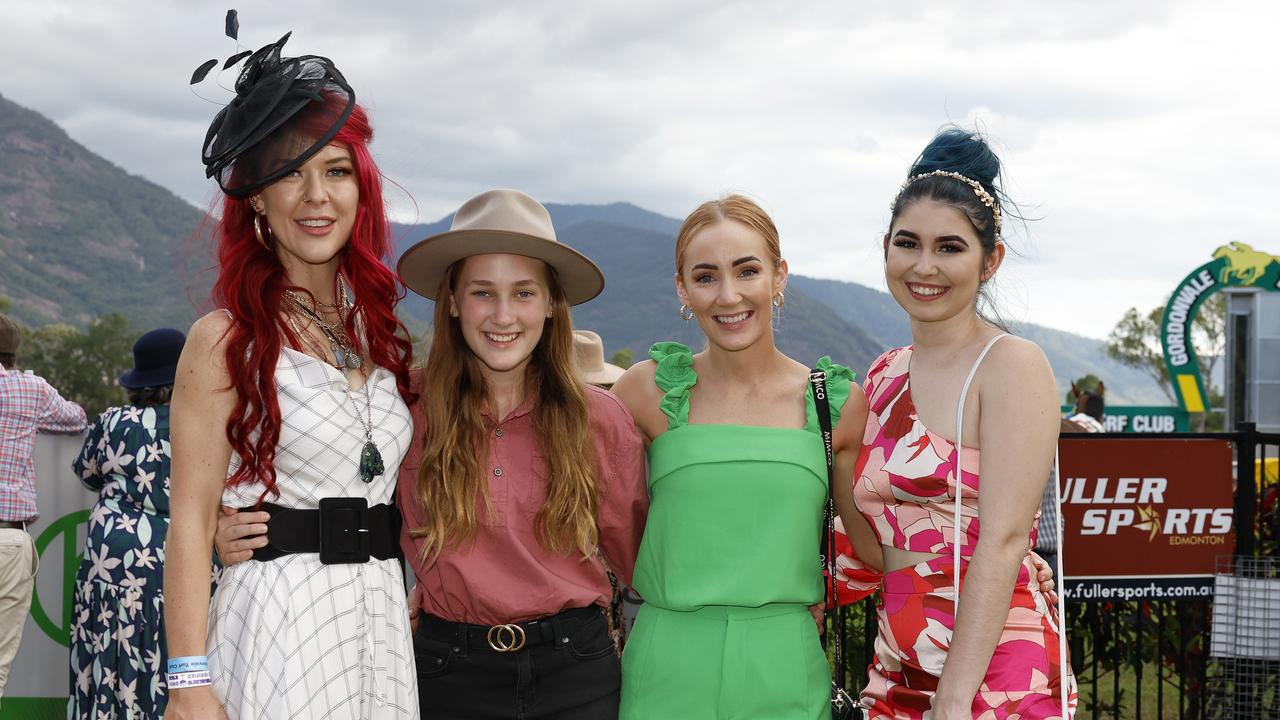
[453, 478]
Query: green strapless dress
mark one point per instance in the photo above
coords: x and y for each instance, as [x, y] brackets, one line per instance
[729, 564]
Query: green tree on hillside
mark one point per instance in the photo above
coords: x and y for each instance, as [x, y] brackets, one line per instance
[83, 366]
[1135, 341]
[624, 358]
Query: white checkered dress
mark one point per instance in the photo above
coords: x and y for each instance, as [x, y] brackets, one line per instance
[293, 638]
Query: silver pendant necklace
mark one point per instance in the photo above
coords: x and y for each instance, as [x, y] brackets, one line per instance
[371, 464]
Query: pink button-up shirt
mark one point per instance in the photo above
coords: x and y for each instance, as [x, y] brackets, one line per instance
[506, 575]
[28, 405]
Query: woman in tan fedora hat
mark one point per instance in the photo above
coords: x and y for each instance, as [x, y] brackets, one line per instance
[525, 480]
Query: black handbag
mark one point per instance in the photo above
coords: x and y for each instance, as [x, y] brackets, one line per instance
[843, 706]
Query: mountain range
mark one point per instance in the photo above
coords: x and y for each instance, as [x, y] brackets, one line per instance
[81, 237]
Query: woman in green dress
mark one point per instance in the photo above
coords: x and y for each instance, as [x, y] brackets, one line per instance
[728, 567]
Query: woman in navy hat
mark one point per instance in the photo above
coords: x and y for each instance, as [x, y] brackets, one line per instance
[117, 632]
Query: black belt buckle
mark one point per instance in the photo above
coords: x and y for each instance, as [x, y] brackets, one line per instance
[344, 530]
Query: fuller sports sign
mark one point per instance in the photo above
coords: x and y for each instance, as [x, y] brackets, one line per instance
[1144, 517]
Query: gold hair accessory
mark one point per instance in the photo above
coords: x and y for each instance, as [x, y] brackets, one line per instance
[978, 190]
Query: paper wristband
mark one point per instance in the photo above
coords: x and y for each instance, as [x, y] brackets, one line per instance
[191, 678]
[184, 664]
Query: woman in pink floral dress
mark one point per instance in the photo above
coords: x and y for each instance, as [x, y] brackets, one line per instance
[965, 629]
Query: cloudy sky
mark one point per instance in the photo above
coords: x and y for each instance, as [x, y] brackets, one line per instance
[1140, 135]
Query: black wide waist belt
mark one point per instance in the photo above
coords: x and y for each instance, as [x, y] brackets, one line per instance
[342, 530]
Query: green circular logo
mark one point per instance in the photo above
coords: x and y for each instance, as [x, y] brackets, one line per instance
[66, 528]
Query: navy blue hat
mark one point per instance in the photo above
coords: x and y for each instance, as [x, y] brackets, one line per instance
[155, 359]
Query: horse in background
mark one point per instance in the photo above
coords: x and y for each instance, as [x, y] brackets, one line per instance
[1090, 408]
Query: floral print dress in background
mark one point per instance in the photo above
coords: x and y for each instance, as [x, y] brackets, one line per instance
[117, 634]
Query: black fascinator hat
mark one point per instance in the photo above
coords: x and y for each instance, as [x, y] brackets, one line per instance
[286, 109]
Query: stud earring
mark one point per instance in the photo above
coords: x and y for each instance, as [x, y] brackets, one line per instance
[686, 313]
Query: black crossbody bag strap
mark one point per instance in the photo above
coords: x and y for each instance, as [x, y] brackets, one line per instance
[827, 541]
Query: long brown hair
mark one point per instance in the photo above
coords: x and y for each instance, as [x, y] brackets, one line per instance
[453, 478]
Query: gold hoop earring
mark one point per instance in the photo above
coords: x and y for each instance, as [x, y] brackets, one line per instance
[257, 231]
[686, 313]
[779, 300]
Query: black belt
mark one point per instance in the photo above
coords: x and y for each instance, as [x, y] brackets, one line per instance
[13, 524]
[507, 638]
[342, 530]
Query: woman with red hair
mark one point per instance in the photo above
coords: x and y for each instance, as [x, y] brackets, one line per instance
[291, 398]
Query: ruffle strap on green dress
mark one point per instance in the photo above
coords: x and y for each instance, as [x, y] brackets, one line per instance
[838, 379]
[674, 377]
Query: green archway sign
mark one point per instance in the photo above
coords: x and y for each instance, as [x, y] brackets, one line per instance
[1233, 265]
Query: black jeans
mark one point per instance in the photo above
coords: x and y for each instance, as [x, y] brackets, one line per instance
[567, 670]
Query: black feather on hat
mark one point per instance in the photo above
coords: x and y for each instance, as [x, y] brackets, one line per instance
[285, 110]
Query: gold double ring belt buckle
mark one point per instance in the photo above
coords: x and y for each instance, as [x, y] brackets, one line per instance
[505, 638]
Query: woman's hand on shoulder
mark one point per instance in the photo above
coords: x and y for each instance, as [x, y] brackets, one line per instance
[638, 391]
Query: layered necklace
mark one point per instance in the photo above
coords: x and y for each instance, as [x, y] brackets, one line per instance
[344, 354]
[299, 312]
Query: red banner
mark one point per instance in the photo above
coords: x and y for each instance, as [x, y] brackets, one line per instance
[1144, 518]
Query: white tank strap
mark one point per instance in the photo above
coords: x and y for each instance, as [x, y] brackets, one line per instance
[1062, 607]
[1064, 688]
[964, 394]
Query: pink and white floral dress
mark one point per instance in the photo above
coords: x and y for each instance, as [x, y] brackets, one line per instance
[905, 487]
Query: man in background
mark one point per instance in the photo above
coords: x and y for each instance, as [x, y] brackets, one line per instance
[28, 405]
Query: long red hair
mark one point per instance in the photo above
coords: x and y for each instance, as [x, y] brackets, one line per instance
[250, 286]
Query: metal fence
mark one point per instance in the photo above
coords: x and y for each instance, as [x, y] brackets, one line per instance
[1153, 658]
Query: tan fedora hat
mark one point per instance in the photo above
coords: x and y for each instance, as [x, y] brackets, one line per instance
[499, 221]
[588, 350]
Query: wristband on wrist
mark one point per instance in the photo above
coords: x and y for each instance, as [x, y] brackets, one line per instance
[190, 678]
[184, 672]
[183, 664]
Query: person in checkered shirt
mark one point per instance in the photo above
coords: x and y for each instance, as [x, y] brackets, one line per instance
[28, 405]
